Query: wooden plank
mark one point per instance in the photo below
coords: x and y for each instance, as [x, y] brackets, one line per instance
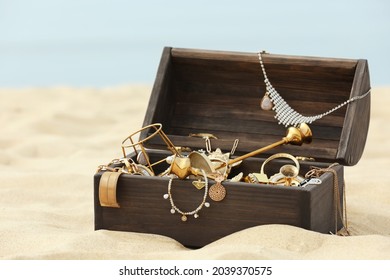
[225, 67]
[243, 93]
[200, 55]
[231, 74]
[251, 111]
[160, 96]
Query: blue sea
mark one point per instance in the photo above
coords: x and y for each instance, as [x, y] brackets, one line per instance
[107, 43]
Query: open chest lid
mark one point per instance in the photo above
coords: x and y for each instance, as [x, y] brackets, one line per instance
[219, 93]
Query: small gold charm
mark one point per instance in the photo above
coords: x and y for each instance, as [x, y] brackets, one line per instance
[184, 218]
[266, 103]
[217, 192]
[199, 184]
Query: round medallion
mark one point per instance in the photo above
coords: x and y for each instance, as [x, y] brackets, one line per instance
[184, 218]
[217, 192]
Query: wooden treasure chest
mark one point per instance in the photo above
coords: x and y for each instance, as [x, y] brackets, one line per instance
[233, 140]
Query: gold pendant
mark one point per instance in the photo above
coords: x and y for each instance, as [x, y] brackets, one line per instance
[199, 184]
[217, 192]
[266, 103]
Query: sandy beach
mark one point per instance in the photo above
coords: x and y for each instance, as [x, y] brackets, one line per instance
[53, 139]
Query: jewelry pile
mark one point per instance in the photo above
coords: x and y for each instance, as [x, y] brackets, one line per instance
[199, 166]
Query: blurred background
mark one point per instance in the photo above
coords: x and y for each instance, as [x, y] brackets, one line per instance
[101, 43]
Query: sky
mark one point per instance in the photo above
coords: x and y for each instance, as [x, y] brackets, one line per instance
[85, 43]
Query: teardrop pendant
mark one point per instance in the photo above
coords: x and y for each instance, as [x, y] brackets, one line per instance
[266, 103]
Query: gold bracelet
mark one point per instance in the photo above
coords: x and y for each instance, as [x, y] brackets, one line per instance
[288, 174]
[280, 155]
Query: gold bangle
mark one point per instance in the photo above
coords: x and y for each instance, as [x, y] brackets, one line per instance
[107, 189]
[280, 155]
[288, 174]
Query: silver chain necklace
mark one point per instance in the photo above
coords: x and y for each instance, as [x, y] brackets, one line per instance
[284, 113]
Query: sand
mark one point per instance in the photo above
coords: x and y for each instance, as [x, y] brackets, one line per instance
[52, 140]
